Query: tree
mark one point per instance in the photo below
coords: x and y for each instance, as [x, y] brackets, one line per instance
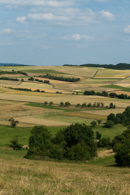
[111, 105]
[78, 105]
[84, 104]
[93, 123]
[22, 80]
[74, 143]
[99, 121]
[51, 103]
[122, 156]
[67, 104]
[45, 102]
[41, 146]
[109, 124]
[98, 135]
[13, 123]
[104, 142]
[61, 104]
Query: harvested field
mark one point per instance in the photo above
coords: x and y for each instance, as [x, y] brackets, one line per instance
[35, 85]
[105, 112]
[85, 115]
[73, 99]
[37, 121]
[78, 71]
[109, 73]
[9, 83]
[99, 81]
[64, 118]
[121, 92]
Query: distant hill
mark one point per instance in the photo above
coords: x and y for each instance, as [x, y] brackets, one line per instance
[120, 66]
[12, 64]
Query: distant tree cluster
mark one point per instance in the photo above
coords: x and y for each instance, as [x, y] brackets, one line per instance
[66, 104]
[26, 89]
[13, 72]
[120, 118]
[45, 81]
[61, 78]
[120, 66]
[75, 142]
[105, 94]
[96, 105]
[7, 78]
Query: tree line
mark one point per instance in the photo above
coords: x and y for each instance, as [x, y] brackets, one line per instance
[119, 66]
[7, 78]
[13, 72]
[60, 78]
[105, 94]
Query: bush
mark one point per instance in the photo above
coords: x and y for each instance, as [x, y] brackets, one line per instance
[14, 143]
[109, 124]
[104, 142]
[98, 135]
[67, 104]
[93, 123]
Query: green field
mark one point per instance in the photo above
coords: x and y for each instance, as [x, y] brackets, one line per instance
[118, 87]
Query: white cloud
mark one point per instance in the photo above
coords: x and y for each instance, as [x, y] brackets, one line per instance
[62, 16]
[127, 30]
[51, 3]
[21, 19]
[6, 31]
[107, 15]
[47, 16]
[78, 37]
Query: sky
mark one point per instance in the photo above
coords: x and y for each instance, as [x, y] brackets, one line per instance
[57, 32]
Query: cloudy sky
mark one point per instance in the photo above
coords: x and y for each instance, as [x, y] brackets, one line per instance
[57, 32]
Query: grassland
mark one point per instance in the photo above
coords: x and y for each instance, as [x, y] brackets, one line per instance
[100, 176]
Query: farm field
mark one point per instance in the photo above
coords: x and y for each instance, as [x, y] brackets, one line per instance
[98, 176]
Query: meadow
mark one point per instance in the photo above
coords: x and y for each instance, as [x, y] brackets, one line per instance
[97, 177]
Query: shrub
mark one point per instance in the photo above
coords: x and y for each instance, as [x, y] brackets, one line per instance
[61, 104]
[51, 103]
[67, 104]
[84, 104]
[93, 123]
[14, 143]
[98, 135]
[104, 142]
[99, 121]
[109, 124]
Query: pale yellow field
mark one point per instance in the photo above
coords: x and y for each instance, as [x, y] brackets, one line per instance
[37, 121]
[73, 99]
[105, 112]
[109, 73]
[78, 71]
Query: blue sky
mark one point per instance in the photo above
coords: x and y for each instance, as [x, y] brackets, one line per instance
[56, 32]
